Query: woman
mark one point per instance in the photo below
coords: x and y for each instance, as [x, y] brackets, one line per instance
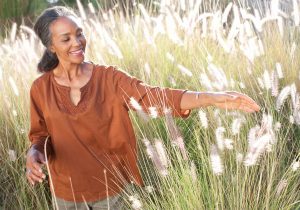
[83, 108]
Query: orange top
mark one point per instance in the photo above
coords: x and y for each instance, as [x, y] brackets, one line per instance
[93, 144]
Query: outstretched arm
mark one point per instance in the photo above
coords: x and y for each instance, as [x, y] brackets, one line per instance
[230, 100]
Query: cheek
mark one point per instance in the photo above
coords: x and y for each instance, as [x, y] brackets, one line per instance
[63, 51]
[83, 41]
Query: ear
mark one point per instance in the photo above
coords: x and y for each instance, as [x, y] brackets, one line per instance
[51, 48]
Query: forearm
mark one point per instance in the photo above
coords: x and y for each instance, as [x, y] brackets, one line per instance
[193, 99]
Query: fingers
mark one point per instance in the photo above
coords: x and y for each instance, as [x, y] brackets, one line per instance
[249, 100]
[246, 108]
[34, 172]
[246, 103]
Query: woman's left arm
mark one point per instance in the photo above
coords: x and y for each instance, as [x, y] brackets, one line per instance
[230, 100]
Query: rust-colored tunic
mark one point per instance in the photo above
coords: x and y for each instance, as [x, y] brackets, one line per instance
[93, 144]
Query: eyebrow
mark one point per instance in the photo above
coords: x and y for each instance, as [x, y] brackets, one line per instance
[66, 34]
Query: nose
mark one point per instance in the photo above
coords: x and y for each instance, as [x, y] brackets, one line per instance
[77, 41]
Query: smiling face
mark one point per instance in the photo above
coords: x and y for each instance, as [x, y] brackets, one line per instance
[67, 40]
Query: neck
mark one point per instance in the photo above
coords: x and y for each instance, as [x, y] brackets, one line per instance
[69, 71]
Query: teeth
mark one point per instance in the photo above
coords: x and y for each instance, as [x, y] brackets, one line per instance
[76, 52]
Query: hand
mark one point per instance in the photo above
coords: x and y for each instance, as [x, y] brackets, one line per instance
[233, 100]
[34, 161]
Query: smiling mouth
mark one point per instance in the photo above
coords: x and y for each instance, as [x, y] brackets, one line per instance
[77, 52]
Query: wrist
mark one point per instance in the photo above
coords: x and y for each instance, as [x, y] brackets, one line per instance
[33, 148]
[206, 98]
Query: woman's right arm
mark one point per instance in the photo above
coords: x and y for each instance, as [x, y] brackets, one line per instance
[35, 157]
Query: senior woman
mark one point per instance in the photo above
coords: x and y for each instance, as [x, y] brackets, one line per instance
[83, 109]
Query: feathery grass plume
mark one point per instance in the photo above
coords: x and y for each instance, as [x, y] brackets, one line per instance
[248, 29]
[296, 115]
[147, 35]
[294, 95]
[13, 32]
[293, 49]
[135, 202]
[91, 8]
[146, 16]
[267, 123]
[218, 74]
[149, 189]
[203, 119]
[228, 143]
[172, 29]
[182, 5]
[153, 112]
[217, 117]
[13, 85]
[281, 186]
[232, 83]
[112, 18]
[295, 165]
[274, 7]
[261, 50]
[220, 137]
[1, 75]
[291, 119]
[161, 151]
[284, 93]
[226, 13]
[172, 81]
[267, 80]
[113, 48]
[256, 149]
[15, 113]
[236, 125]
[184, 70]
[138, 109]
[239, 157]
[275, 83]
[216, 161]
[159, 27]
[296, 13]
[81, 10]
[279, 70]
[193, 171]
[277, 126]
[235, 29]
[236, 13]
[12, 155]
[28, 30]
[147, 69]
[175, 134]
[154, 156]
[170, 57]
[260, 83]
[205, 81]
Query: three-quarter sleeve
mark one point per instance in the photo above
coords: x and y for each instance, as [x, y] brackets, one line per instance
[38, 129]
[127, 87]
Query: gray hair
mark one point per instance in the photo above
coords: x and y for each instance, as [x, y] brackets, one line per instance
[42, 25]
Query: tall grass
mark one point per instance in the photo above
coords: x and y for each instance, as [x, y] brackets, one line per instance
[235, 160]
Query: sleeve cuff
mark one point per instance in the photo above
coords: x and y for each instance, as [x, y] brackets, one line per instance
[178, 112]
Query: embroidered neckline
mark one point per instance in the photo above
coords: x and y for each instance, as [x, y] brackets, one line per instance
[65, 103]
[69, 88]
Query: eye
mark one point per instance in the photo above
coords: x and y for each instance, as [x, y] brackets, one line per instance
[80, 33]
[65, 40]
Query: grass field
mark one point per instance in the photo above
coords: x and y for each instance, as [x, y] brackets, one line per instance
[215, 159]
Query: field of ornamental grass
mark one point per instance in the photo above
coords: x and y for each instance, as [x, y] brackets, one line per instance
[215, 159]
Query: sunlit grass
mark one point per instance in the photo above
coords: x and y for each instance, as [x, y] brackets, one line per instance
[175, 49]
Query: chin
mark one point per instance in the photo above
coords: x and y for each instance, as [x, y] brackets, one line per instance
[77, 61]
